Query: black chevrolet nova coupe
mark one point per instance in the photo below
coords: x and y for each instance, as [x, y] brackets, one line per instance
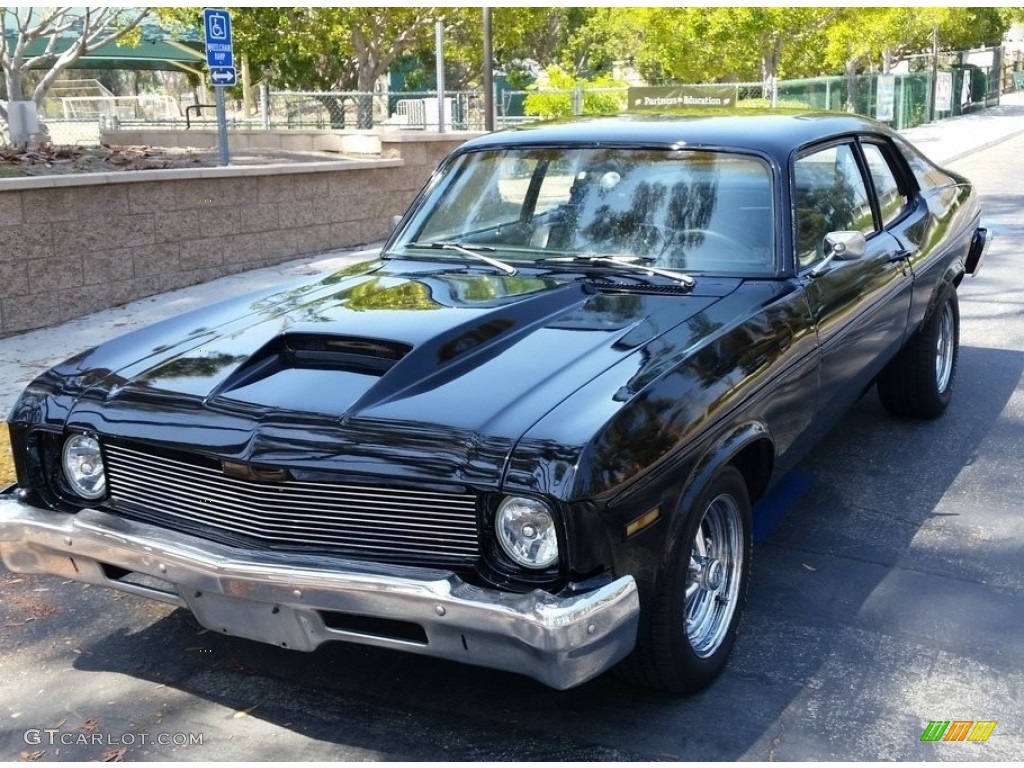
[531, 433]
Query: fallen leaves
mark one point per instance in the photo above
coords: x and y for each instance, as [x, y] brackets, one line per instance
[51, 158]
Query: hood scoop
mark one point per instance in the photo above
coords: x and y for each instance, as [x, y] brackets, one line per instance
[313, 351]
[341, 353]
[309, 371]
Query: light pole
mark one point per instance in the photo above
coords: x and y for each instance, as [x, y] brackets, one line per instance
[488, 73]
[439, 62]
[935, 72]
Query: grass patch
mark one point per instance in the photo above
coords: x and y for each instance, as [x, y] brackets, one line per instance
[6, 459]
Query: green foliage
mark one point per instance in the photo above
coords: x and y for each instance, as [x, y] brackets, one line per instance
[314, 48]
[556, 100]
[322, 48]
[709, 44]
[859, 37]
[521, 37]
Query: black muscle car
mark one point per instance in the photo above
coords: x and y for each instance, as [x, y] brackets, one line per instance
[532, 432]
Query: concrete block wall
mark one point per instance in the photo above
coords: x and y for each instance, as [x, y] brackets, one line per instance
[74, 244]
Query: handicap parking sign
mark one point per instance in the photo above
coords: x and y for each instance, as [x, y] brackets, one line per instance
[217, 23]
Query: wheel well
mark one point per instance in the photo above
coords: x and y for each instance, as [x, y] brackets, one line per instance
[755, 464]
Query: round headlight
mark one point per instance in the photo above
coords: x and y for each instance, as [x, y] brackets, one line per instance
[83, 466]
[526, 532]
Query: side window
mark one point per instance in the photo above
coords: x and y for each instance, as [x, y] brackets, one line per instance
[829, 195]
[891, 199]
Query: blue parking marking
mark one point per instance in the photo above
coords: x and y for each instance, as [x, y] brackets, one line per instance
[777, 503]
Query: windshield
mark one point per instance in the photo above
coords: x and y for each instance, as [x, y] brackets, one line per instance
[691, 210]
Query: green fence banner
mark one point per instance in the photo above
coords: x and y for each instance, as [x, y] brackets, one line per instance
[676, 96]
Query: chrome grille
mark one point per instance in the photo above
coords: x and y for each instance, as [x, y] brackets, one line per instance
[388, 524]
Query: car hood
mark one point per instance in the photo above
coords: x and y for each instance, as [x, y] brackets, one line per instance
[379, 361]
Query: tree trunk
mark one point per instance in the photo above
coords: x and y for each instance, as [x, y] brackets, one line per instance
[850, 68]
[770, 59]
[246, 87]
[14, 92]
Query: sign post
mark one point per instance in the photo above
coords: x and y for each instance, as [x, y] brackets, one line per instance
[221, 63]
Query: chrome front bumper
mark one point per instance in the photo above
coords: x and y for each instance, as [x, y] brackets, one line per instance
[299, 601]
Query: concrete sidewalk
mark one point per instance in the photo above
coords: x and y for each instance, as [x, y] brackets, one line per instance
[26, 355]
[950, 140]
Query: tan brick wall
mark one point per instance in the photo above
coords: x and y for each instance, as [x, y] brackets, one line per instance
[70, 245]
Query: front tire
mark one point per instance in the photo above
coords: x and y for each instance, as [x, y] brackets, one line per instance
[918, 383]
[688, 630]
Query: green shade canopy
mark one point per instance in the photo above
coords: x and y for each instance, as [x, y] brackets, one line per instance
[165, 55]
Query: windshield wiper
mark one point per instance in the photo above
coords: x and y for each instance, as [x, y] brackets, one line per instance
[470, 250]
[631, 263]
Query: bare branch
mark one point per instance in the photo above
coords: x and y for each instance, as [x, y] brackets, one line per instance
[3, 37]
[41, 28]
[95, 33]
[95, 41]
[22, 25]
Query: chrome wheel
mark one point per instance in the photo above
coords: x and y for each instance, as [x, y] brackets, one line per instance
[689, 624]
[945, 348]
[715, 575]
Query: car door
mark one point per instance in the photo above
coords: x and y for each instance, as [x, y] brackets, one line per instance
[860, 306]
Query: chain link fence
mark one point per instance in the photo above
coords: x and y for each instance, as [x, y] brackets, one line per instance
[339, 110]
[76, 113]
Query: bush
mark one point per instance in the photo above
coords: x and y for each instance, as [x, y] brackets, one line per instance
[557, 99]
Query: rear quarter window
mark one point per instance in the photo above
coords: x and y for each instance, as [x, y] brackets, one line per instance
[937, 186]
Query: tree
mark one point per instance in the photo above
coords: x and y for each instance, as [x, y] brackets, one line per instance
[524, 40]
[863, 38]
[698, 44]
[86, 28]
[605, 37]
[322, 48]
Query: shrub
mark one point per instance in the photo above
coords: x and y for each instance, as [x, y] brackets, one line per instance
[557, 99]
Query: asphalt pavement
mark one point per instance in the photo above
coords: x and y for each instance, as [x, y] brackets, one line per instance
[25, 355]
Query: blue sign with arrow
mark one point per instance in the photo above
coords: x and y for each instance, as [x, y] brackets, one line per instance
[219, 44]
[223, 76]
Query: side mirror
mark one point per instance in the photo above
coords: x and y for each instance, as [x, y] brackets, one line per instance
[845, 246]
[840, 246]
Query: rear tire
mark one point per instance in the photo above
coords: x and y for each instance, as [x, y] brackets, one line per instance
[918, 383]
[688, 630]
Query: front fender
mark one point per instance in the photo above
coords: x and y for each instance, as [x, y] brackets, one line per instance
[719, 454]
